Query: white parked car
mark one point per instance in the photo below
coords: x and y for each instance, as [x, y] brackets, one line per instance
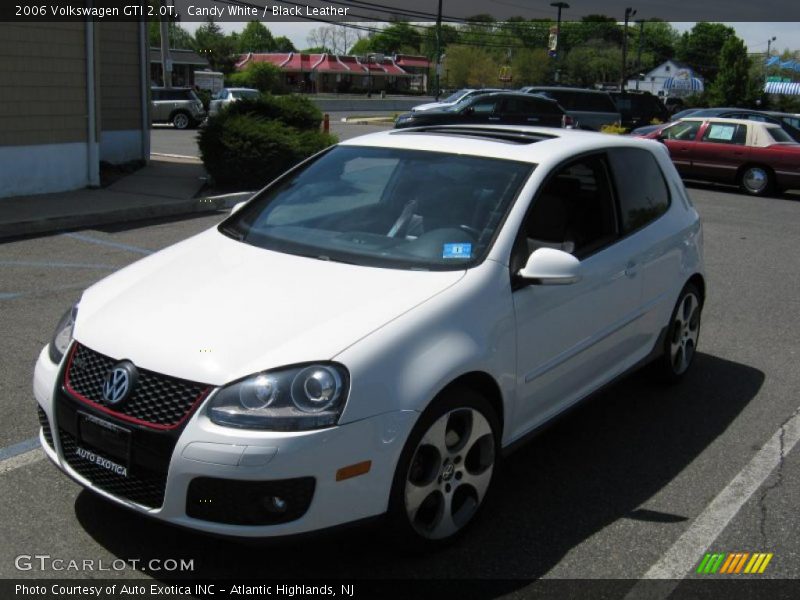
[226, 96]
[454, 99]
[373, 329]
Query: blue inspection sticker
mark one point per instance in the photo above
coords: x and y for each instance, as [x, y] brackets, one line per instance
[457, 251]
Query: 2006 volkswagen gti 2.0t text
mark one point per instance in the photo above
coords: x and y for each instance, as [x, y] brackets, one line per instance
[369, 332]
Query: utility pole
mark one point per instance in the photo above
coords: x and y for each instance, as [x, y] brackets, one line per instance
[629, 12]
[166, 59]
[436, 86]
[639, 53]
[559, 6]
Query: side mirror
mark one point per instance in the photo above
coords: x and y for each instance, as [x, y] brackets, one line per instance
[237, 206]
[548, 266]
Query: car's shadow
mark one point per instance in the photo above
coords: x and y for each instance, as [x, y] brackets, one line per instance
[597, 465]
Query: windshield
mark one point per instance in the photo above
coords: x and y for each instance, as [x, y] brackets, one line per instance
[455, 96]
[248, 94]
[384, 207]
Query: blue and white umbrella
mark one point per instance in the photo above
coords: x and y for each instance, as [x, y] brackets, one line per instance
[782, 87]
[685, 84]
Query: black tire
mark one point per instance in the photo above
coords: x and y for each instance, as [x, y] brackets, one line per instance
[684, 330]
[455, 490]
[181, 120]
[756, 180]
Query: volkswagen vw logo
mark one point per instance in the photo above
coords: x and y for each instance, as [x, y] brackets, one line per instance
[119, 382]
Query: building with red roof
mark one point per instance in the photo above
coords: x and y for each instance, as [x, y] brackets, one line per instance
[321, 73]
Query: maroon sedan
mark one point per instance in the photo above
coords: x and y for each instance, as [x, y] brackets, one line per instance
[759, 157]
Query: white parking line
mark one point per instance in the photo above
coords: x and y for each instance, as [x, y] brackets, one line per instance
[20, 460]
[110, 244]
[687, 551]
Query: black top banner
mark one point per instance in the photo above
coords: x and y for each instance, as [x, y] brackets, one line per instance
[418, 11]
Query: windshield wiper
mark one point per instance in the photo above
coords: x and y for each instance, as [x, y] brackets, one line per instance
[232, 233]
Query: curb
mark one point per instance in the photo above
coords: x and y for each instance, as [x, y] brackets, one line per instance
[140, 213]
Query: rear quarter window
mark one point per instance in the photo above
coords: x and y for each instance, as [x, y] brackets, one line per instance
[641, 187]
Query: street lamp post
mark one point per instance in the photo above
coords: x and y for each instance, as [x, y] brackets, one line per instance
[559, 6]
[769, 52]
[629, 12]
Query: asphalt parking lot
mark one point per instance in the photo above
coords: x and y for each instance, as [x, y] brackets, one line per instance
[613, 490]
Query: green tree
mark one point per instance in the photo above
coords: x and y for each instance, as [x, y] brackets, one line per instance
[362, 47]
[255, 37]
[593, 62]
[471, 66]
[733, 85]
[531, 66]
[658, 42]
[700, 48]
[397, 38]
[179, 38]
[264, 77]
[284, 44]
[215, 46]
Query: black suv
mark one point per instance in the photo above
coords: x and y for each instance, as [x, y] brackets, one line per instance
[639, 108]
[589, 109]
[500, 108]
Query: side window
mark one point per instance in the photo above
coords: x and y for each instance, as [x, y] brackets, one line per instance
[534, 106]
[574, 211]
[512, 106]
[641, 188]
[565, 99]
[686, 131]
[483, 107]
[725, 133]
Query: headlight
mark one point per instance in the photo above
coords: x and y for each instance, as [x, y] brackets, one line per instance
[291, 399]
[63, 335]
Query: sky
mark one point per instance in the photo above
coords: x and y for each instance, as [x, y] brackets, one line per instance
[755, 35]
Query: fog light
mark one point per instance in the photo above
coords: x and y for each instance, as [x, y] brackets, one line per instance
[275, 504]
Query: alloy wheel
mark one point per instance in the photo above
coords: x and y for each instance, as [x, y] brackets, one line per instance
[685, 332]
[449, 473]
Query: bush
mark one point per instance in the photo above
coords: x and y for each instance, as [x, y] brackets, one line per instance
[249, 151]
[295, 111]
[264, 77]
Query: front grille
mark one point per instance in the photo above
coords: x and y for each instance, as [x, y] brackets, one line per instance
[238, 502]
[143, 486]
[45, 423]
[159, 400]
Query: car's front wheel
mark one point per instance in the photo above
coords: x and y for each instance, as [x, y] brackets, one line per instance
[445, 470]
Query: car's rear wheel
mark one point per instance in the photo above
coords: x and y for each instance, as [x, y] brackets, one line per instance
[181, 120]
[756, 180]
[445, 471]
[683, 334]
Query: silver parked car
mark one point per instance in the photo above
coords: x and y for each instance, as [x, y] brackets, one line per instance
[179, 106]
[226, 96]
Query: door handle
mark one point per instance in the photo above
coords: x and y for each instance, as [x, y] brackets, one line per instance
[631, 269]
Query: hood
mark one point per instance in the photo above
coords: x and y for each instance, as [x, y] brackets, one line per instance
[429, 106]
[212, 309]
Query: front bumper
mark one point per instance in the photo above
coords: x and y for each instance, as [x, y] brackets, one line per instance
[206, 452]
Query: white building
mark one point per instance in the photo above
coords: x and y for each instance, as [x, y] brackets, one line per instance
[668, 79]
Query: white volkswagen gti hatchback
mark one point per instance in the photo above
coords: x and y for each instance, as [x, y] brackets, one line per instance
[371, 331]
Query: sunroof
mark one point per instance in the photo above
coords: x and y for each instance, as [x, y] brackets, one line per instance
[509, 136]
